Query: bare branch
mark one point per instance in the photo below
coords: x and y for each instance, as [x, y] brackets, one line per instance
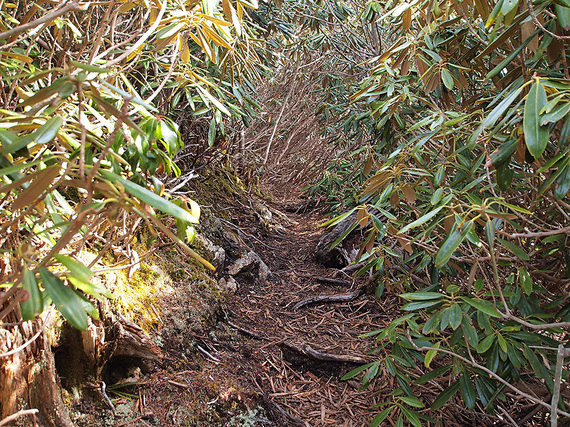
[46, 18]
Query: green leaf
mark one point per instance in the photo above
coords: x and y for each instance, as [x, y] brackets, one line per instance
[412, 401]
[90, 288]
[421, 296]
[66, 300]
[76, 268]
[439, 176]
[508, 6]
[170, 136]
[66, 90]
[411, 416]
[214, 101]
[169, 30]
[399, 422]
[151, 198]
[451, 243]
[536, 365]
[478, 285]
[42, 135]
[421, 220]
[431, 354]
[467, 391]
[494, 115]
[455, 316]
[379, 418]
[515, 249]
[34, 304]
[470, 333]
[436, 196]
[536, 136]
[504, 152]
[212, 133]
[336, 220]
[433, 374]
[494, 13]
[485, 344]
[563, 16]
[447, 78]
[502, 343]
[356, 371]
[505, 62]
[444, 396]
[490, 233]
[90, 68]
[89, 308]
[484, 306]
[556, 114]
[563, 183]
[420, 304]
[525, 281]
[47, 132]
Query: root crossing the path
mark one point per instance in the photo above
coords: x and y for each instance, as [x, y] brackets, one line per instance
[302, 330]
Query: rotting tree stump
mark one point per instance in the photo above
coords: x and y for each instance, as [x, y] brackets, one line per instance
[28, 378]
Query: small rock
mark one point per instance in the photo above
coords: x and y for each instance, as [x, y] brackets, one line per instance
[229, 285]
[233, 244]
[251, 263]
[215, 254]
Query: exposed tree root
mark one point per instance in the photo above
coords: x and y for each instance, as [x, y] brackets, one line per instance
[274, 407]
[329, 298]
[332, 281]
[304, 348]
[246, 331]
[309, 351]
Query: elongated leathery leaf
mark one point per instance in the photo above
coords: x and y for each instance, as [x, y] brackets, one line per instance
[467, 391]
[33, 305]
[484, 306]
[421, 220]
[445, 395]
[151, 199]
[536, 136]
[66, 300]
[451, 244]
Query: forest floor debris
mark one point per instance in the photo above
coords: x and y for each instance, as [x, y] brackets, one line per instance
[274, 351]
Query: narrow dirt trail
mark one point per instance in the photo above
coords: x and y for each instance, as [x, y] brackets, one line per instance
[286, 349]
[257, 351]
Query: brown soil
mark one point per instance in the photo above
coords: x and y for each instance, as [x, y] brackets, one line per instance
[249, 368]
[309, 390]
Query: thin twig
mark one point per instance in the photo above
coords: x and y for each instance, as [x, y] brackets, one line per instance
[285, 101]
[542, 233]
[104, 392]
[537, 22]
[213, 358]
[46, 18]
[508, 416]
[492, 374]
[562, 353]
[239, 230]
[12, 417]
[143, 38]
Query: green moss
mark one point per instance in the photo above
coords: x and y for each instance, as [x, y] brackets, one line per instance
[137, 297]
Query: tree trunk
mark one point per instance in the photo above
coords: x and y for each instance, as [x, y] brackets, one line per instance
[27, 377]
